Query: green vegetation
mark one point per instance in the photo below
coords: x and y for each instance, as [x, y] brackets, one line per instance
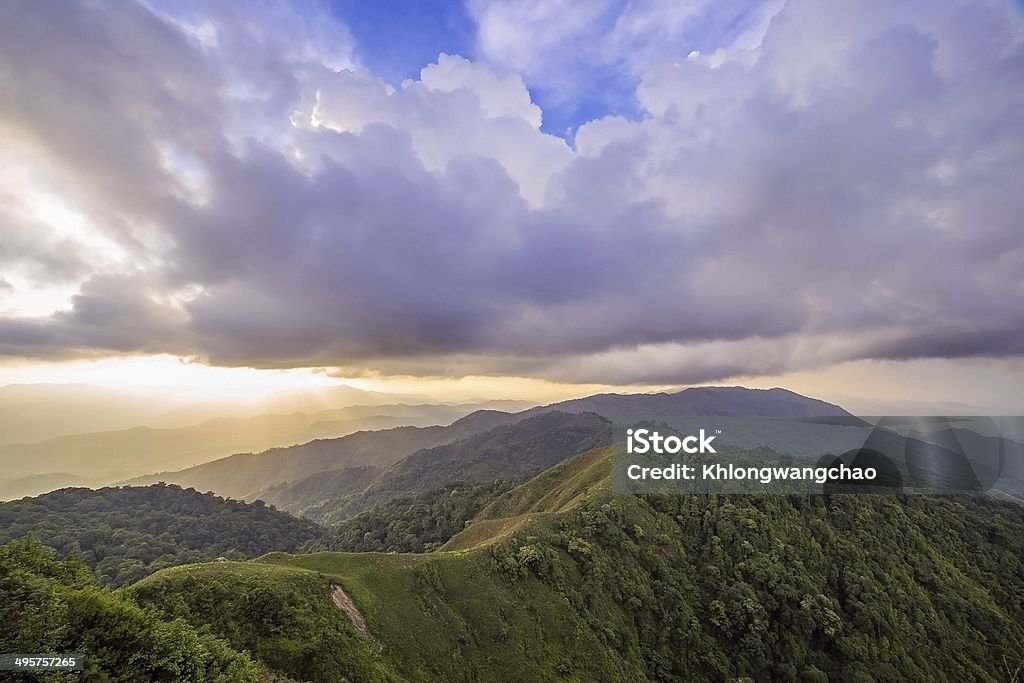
[125, 533]
[550, 579]
[857, 588]
[513, 452]
[247, 475]
[556, 489]
[53, 606]
[284, 616]
[579, 585]
[417, 523]
[316, 496]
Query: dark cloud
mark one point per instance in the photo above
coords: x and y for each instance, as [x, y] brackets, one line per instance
[850, 194]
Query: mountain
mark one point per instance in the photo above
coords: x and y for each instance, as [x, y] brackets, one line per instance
[552, 577]
[35, 412]
[508, 452]
[461, 515]
[102, 458]
[998, 451]
[317, 496]
[56, 606]
[699, 401]
[557, 579]
[277, 474]
[244, 475]
[130, 452]
[36, 484]
[556, 490]
[331, 497]
[413, 523]
[123, 534]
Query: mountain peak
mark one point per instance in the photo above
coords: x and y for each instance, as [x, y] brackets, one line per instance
[698, 401]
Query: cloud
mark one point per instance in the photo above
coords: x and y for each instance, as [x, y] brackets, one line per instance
[585, 58]
[456, 108]
[832, 194]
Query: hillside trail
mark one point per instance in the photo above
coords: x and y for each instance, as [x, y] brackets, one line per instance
[345, 603]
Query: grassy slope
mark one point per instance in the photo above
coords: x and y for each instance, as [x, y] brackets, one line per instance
[554, 490]
[445, 617]
[585, 587]
[513, 452]
[56, 606]
[282, 615]
[441, 616]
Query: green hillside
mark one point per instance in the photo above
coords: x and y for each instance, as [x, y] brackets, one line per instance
[414, 523]
[125, 533]
[248, 475]
[283, 615]
[513, 452]
[53, 606]
[571, 583]
[316, 496]
[556, 490]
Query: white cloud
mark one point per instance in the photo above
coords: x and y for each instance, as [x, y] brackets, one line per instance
[498, 94]
[846, 190]
[456, 108]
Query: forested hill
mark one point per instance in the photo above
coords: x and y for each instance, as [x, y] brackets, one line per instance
[279, 472]
[126, 533]
[245, 474]
[514, 452]
[53, 606]
[559, 580]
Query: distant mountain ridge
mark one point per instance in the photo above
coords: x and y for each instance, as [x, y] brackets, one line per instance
[699, 401]
[27, 410]
[514, 452]
[244, 474]
[107, 457]
[128, 452]
[279, 473]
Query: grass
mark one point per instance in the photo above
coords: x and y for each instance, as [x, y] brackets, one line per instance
[554, 491]
[559, 581]
[449, 615]
[445, 616]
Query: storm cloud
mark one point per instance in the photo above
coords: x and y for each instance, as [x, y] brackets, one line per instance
[246, 193]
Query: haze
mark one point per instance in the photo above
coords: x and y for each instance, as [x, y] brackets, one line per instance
[211, 210]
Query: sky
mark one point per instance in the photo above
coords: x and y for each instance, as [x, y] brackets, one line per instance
[516, 198]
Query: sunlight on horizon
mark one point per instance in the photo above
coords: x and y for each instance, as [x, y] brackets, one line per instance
[170, 374]
[166, 372]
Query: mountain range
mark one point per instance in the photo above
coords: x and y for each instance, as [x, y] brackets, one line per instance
[285, 476]
[537, 571]
[106, 457]
[556, 579]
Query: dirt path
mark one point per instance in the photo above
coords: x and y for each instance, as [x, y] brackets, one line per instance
[343, 601]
